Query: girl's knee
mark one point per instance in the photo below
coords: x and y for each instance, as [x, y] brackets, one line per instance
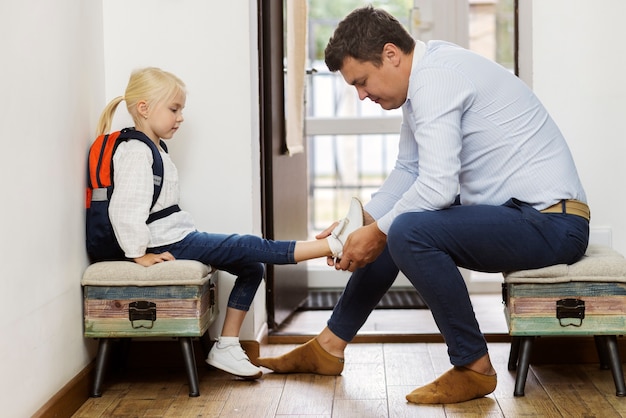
[256, 270]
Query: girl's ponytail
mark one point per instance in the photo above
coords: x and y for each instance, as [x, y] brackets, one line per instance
[106, 117]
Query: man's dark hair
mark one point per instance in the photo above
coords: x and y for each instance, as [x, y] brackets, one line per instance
[363, 34]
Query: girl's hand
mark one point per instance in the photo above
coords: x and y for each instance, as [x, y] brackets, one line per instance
[149, 259]
[330, 261]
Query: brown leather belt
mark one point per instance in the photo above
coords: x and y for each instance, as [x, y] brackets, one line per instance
[570, 207]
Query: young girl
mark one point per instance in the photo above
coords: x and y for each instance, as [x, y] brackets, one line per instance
[155, 99]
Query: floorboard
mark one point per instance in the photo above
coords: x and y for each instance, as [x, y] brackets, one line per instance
[374, 383]
[376, 378]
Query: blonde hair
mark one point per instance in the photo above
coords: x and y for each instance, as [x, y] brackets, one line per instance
[150, 84]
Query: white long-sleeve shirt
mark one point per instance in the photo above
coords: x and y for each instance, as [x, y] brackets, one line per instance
[470, 127]
[132, 196]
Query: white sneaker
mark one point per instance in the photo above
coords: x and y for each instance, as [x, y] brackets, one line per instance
[349, 224]
[234, 360]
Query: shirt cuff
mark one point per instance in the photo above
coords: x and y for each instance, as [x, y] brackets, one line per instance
[385, 222]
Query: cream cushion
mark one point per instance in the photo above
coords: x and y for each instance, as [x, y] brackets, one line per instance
[599, 264]
[128, 273]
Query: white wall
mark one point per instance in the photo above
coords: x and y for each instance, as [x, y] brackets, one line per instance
[575, 62]
[54, 82]
[51, 79]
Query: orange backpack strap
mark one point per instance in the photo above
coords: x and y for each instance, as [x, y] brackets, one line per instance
[100, 160]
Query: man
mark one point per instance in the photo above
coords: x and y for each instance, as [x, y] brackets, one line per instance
[483, 180]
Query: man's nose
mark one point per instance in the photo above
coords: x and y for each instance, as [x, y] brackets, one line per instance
[362, 93]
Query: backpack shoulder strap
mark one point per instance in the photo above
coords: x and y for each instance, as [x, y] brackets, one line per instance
[157, 161]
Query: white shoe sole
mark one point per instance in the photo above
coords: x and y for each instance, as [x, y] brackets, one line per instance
[227, 369]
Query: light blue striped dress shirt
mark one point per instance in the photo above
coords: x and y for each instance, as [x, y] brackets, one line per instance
[470, 127]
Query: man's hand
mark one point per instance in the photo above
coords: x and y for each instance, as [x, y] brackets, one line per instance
[149, 259]
[362, 247]
[367, 219]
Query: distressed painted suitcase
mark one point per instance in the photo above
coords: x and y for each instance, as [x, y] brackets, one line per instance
[124, 299]
[584, 298]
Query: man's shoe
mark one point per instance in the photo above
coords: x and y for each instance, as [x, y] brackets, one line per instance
[349, 224]
[234, 360]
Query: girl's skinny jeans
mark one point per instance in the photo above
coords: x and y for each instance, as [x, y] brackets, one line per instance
[241, 255]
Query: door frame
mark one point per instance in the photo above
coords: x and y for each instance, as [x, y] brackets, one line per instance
[284, 199]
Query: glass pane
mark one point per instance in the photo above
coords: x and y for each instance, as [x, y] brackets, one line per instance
[342, 166]
[492, 30]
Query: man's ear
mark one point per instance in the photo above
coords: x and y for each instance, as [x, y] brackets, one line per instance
[142, 109]
[392, 53]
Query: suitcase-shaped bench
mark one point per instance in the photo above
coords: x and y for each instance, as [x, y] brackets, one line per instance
[587, 298]
[125, 300]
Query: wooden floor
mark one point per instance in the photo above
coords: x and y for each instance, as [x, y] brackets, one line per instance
[374, 383]
[376, 378]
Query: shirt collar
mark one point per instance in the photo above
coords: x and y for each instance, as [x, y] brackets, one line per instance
[418, 53]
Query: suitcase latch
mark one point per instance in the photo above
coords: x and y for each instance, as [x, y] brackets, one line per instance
[212, 294]
[570, 308]
[142, 310]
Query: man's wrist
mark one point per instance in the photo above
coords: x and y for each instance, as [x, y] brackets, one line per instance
[377, 230]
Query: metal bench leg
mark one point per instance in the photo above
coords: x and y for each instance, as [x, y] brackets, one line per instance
[104, 348]
[612, 351]
[526, 345]
[601, 349]
[186, 346]
[514, 353]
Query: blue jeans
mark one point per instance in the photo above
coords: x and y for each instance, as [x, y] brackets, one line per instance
[428, 246]
[240, 255]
